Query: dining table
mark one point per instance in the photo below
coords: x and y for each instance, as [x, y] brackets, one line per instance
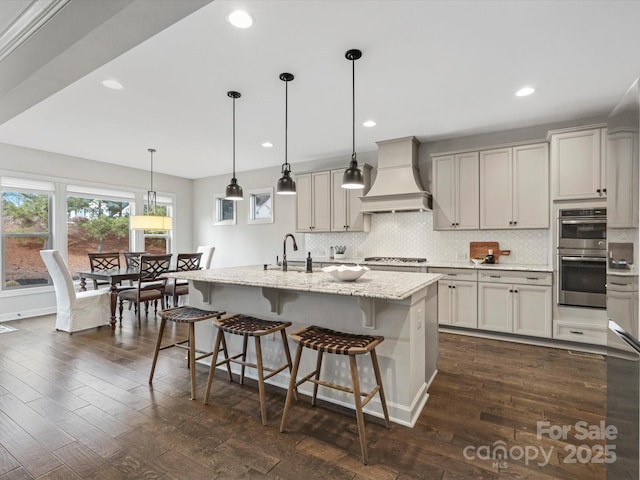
[114, 276]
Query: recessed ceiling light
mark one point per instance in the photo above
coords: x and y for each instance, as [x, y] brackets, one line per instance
[240, 19]
[112, 84]
[369, 123]
[524, 91]
[267, 144]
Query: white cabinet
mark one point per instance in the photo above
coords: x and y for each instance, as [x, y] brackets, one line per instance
[515, 302]
[514, 187]
[456, 192]
[578, 164]
[345, 203]
[313, 201]
[622, 179]
[622, 301]
[457, 298]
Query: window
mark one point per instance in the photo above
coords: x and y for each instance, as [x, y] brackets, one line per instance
[159, 241]
[97, 221]
[26, 229]
[225, 211]
[261, 206]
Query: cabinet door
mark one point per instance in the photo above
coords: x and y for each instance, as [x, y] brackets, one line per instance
[321, 202]
[304, 222]
[444, 194]
[464, 304]
[532, 310]
[338, 202]
[355, 218]
[575, 160]
[622, 309]
[495, 306]
[531, 186]
[495, 188]
[467, 191]
[444, 302]
[622, 180]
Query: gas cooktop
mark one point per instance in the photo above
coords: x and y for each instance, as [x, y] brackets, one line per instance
[395, 259]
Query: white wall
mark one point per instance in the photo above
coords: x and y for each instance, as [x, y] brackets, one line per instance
[18, 161]
[249, 244]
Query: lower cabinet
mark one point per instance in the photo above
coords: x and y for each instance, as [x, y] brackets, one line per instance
[515, 308]
[495, 300]
[457, 303]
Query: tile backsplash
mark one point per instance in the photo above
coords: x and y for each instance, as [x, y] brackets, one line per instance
[411, 234]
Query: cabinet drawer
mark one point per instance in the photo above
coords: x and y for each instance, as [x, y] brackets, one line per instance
[620, 283]
[456, 273]
[524, 278]
[576, 332]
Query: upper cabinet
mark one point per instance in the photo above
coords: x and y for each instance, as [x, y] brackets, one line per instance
[456, 192]
[322, 205]
[346, 205]
[578, 163]
[622, 179]
[514, 187]
[313, 201]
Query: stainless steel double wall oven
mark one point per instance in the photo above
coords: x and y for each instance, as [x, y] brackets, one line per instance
[582, 257]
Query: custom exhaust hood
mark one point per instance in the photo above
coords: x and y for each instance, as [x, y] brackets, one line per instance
[397, 186]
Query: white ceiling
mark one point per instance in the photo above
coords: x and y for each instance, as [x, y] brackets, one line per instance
[433, 69]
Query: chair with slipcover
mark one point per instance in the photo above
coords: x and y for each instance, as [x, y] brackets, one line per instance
[175, 287]
[207, 256]
[76, 311]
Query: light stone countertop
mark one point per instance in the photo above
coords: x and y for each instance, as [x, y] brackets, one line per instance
[373, 284]
[439, 264]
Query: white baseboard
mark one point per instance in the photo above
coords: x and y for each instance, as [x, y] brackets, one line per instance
[36, 312]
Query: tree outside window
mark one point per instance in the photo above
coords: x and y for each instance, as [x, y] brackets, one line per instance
[26, 229]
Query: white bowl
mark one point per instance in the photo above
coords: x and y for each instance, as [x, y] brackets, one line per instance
[477, 261]
[343, 273]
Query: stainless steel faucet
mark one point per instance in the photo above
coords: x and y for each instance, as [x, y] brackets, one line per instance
[284, 250]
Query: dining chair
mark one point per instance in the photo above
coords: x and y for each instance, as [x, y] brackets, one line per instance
[103, 261]
[175, 287]
[207, 256]
[75, 311]
[150, 286]
[132, 259]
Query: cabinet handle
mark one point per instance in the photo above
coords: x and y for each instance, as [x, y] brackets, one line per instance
[604, 190]
[510, 223]
[457, 224]
[453, 286]
[619, 284]
[515, 291]
[533, 278]
[510, 291]
[449, 286]
[494, 276]
[452, 274]
[576, 332]
[598, 191]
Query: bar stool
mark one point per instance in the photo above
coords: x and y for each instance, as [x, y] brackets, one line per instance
[325, 340]
[189, 315]
[249, 327]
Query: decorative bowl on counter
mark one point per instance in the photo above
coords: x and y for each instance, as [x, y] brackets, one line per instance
[477, 261]
[343, 273]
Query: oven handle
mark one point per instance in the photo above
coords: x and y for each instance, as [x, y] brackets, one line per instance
[584, 259]
[574, 222]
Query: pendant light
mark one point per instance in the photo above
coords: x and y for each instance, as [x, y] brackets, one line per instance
[234, 191]
[150, 220]
[286, 184]
[352, 177]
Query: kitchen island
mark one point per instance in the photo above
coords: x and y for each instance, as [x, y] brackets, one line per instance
[400, 306]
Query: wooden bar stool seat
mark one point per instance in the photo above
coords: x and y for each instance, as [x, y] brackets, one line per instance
[189, 315]
[249, 327]
[324, 340]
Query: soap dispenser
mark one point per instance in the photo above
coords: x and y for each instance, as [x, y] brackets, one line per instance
[309, 268]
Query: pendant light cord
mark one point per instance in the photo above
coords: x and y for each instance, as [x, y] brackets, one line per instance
[286, 124]
[234, 137]
[353, 106]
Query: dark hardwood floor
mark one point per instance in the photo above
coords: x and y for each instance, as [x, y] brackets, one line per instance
[80, 406]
